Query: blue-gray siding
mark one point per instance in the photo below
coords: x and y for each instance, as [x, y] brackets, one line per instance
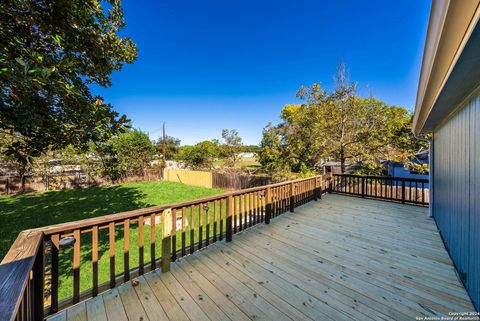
[457, 191]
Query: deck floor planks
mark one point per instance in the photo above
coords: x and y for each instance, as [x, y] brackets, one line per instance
[230, 292]
[167, 301]
[208, 306]
[131, 303]
[316, 271]
[351, 263]
[114, 306]
[278, 302]
[227, 306]
[341, 258]
[77, 312]
[149, 302]
[96, 309]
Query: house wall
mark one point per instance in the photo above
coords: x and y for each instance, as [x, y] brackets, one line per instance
[456, 178]
[405, 173]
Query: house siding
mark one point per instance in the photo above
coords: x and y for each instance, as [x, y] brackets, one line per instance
[456, 190]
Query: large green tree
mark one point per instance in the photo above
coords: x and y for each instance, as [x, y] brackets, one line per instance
[172, 146]
[51, 53]
[134, 151]
[338, 126]
[231, 147]
[199, 156]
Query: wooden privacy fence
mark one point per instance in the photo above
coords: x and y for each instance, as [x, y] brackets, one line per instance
[70, 180]
[405, 190]
[234, 181]
[229, 181]
[39, 259]
[189, 177]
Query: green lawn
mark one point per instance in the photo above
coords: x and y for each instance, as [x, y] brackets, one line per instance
[22, 212]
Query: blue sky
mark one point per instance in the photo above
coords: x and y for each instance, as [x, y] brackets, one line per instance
[212, 64]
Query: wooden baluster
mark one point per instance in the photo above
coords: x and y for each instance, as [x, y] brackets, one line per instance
[207, 236]
[241, 211]
[230, 209]
[423, 193]
[184, 213]
[248, 208]
[174, 235]
[234, 213]
[292, 197]
[192, 229]
[255, 207]
[141, 246]
[166, 239]
[111, 235]
[215, 219]
[221, 220]
[76, 267]
[95, 260]
[153, 260]
[268, 205]
[416, 191]
[54, 271]
[126, 250]
[200, 226]
[37, 284]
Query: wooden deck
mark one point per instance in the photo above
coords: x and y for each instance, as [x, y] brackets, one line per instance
[341, 258]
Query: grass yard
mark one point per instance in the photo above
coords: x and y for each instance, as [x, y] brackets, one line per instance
[22, 212]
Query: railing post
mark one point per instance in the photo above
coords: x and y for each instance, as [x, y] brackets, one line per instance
[317, 192]
[38, 278]
[166, 220]
[363, 186]
[403, 190]
[330, 183]
[230, 208]
[292, 197]
[268, 205]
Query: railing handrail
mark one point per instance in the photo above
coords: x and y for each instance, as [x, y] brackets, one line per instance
[117, 217]
[391, 188]
[15, 271]
[395, 178]
[27, 251]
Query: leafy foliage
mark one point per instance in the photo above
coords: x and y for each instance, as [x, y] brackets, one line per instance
[51, 52]
[231, 147]
[337, 126]
[134, 151]
[201, 155]
[173, 147]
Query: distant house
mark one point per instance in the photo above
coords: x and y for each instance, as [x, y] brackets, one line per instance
[448, 108]
[336, 167]
[399, 169]
[246, 155]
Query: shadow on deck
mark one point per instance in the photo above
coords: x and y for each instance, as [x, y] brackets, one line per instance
[341, 258]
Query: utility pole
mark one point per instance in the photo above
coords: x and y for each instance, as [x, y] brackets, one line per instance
[164, 150]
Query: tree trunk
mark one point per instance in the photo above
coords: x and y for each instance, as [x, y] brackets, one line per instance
[22, 178]
[342, 160]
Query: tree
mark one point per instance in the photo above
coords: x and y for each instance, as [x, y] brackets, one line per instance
[271, 153]
[134, 151]
[51, 53]
[338, 126]
[231, 147]
[172, 146]
[199, 156]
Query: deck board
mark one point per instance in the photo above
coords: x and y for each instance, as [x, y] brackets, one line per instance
[341, 258]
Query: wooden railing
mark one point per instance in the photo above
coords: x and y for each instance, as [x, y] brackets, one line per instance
[404, 190]
[39, 258]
